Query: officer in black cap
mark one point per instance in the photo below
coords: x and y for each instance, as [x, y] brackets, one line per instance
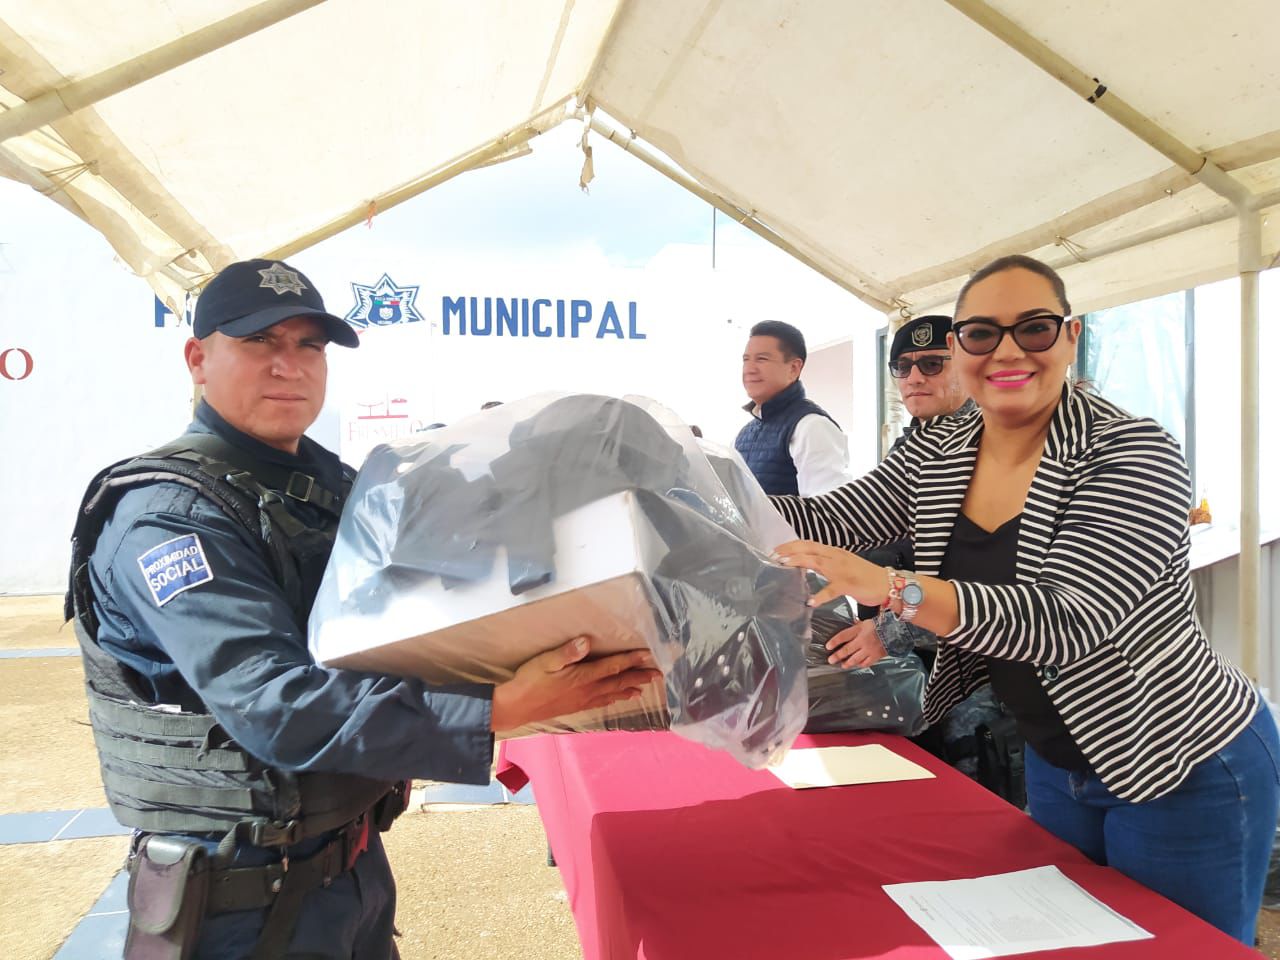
[256, 780]
[920, 364]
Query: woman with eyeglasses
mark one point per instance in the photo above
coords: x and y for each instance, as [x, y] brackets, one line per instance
[1051, 556]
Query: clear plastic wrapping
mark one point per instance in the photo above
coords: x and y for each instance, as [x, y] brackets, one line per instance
[887, 696]
[465, 551]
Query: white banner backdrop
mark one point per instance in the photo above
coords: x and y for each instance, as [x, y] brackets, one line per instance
[88, 378]
[673, 331]
[96, 387]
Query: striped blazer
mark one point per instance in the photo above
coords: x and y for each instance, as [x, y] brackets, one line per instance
[1103, 604]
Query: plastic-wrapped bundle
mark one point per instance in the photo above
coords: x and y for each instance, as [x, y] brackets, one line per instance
[466, 551]
[888, 695]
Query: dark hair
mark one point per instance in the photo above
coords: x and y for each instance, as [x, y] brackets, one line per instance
[791, 339]
[1018, 261]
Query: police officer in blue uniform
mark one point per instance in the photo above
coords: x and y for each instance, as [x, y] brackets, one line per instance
[256, 780]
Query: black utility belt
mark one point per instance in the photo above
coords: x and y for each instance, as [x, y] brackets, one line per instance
[253, 888]
[174, 883]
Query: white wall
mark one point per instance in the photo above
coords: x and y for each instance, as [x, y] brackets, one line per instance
[694, 321]
[105, 382]
[1218, 606]
[1217, 366]
[842, 379]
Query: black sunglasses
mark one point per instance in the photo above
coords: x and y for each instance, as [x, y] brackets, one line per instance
[1034, 334]
[930, 366]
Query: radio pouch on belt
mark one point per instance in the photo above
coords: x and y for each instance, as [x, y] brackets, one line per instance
[393, 803]
[1000, 760]
[168, 888]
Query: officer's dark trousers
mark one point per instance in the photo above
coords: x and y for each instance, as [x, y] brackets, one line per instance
[351, 919]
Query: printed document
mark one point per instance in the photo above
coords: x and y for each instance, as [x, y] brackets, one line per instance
[836, 766]
[1021, 912]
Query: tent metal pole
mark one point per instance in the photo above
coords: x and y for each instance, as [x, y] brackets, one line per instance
[895, 412]
[1172, 229]
[1095, 213]
[508, 145]
[1260, 201]
[53, 105]
[1250, 254]
[1096, 92]
[874, 297]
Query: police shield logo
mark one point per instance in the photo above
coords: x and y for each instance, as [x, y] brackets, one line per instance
[174, 566]
[281, 279]
[382, 304]
[385, 310]
[921, 335]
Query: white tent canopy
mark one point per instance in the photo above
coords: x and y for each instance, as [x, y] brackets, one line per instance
[894, 145]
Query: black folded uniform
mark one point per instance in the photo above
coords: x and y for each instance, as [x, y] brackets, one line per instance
[885, 696]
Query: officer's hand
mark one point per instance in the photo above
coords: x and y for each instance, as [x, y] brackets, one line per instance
[557, 682]
[856, 646]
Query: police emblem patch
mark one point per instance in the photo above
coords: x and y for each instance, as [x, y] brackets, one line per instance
[174, 566]
[383, 304]
[281, 279]
[921, 335]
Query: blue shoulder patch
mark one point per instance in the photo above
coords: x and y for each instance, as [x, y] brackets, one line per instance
[173, 566]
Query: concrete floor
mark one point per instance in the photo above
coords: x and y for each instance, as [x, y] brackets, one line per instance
[473, 884]
[473, 880]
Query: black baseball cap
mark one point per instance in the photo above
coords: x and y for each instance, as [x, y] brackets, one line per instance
[252, 295]
[921, 333]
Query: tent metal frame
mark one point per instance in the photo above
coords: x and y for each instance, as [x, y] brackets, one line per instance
[72, 97]
[1245, 206]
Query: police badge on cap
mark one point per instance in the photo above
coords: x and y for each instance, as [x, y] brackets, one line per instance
[922, 333]
[248, 297]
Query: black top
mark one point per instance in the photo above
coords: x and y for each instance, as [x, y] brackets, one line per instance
[991, 557]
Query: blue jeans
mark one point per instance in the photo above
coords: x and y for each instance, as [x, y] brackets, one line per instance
[1205, 846]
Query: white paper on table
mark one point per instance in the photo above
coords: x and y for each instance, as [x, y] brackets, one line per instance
[836, 766]
[1020, 912]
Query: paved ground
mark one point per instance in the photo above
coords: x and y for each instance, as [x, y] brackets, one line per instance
[473, 879]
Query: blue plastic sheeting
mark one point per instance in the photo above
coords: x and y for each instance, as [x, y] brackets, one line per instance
[494, 792]
[59, 825]
[98, 822]
[21, 652]
[102, 931]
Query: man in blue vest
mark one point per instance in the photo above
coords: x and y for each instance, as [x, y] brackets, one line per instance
[791, 444]
[257, 780]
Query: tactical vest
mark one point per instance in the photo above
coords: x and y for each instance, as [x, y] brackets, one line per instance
[172, 771]
[765, 442]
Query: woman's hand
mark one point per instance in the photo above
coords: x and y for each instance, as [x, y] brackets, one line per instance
[856, 646]
[847, 575]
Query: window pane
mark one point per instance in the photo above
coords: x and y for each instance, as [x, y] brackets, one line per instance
[1136, 356]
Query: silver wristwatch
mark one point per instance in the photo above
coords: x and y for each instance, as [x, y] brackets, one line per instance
[905, 588]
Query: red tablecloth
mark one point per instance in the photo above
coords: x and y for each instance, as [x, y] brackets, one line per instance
[670, 851]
